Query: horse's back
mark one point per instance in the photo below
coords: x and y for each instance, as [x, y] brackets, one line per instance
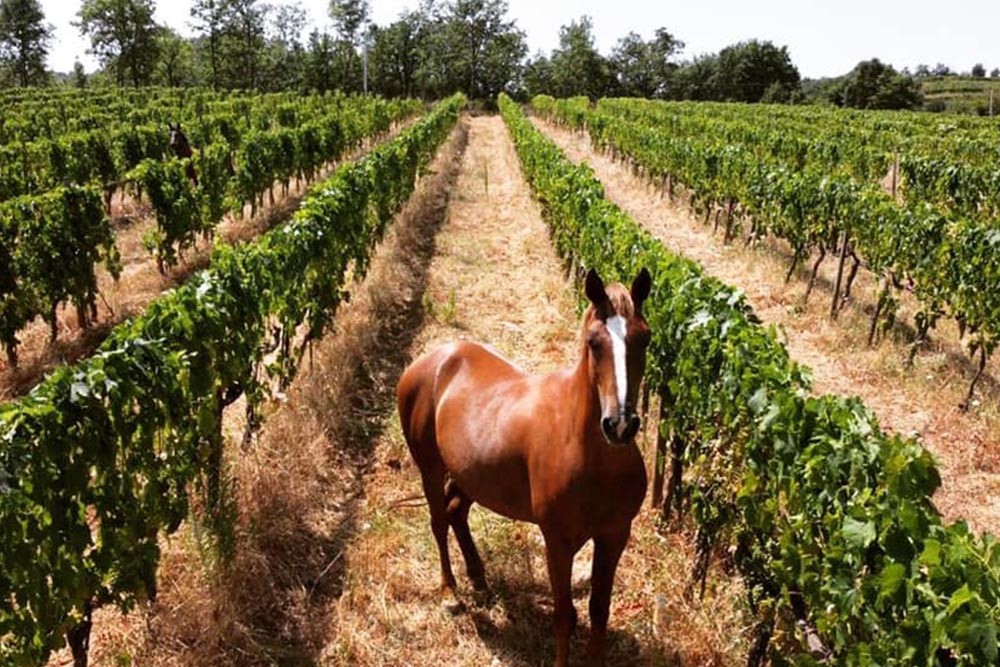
[453, 368]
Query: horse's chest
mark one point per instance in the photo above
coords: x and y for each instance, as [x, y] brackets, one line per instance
[614, 498]
[603, 497]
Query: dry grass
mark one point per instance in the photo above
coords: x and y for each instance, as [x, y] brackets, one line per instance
[140, 281]
[919, 401]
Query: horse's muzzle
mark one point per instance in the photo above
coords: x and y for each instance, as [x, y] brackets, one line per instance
[620, 429]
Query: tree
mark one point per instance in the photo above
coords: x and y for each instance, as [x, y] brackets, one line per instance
[941, 70]
[285, 57]
[393, 58]
[319, 73]
[469, 45]
[123, 36]
[873, 84]
[749, 69]
[695, 80]
[242, 43]
[24, 41]
[79, 77]
[643, 68]
[922, 71]
[349, 18]
[978, 71]
[577, 67]
[995, 73]
[537, 77]
[176, 63]
[209, 24]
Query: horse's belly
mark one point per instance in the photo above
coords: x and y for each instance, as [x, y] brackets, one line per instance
[502, 489]
[485, 460]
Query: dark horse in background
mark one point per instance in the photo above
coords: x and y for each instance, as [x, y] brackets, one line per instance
[182, 149]
[557, 450]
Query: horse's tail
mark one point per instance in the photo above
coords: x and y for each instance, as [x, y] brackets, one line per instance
[416, 403]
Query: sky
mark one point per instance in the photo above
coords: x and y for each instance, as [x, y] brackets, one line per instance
[824, 38]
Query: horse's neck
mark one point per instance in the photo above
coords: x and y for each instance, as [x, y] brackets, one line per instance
[587, 405]
[182, 149]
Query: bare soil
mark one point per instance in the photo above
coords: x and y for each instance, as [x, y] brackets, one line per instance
[921, 401]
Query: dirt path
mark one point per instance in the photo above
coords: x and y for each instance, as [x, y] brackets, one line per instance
[495, 278]
[919, 401]
[140, 281]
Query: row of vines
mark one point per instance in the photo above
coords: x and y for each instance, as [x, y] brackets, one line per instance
[102, 457]
[828, 519]
[54, 240]
[813, 178]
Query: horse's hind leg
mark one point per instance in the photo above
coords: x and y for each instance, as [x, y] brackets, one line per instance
[433, 482]
[458, 505]
[415, 403]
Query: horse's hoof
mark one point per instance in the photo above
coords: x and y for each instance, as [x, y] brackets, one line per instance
[451, 605]
[483, 596]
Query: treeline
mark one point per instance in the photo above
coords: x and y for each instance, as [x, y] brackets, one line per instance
[441, 47]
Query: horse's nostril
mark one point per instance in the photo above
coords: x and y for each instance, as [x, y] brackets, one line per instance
[608, 424]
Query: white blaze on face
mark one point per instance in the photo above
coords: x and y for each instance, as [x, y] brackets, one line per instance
[616, 327]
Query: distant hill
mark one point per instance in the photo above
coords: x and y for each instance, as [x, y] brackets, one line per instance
[961, 94]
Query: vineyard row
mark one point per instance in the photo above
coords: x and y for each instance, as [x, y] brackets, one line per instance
[946, 259]
[100, 459]
[828, 519]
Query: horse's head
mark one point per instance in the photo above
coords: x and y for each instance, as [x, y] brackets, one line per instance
[178, 140]
[616, 336]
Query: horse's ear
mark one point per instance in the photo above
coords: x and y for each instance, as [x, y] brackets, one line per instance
[595, 291]
[640, 289]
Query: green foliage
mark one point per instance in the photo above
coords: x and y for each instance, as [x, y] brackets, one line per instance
[828, 519]
[875, 85]
[101, 457]
[393, 58]
[809, 177]
[51, 246]
[576, 67]
[643, 68]
[471, 46]
[175, 66]
[123, 36]
[746, 71]
[319, 130]
[349, 17]
[24, 41]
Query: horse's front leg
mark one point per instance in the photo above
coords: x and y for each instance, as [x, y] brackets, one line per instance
[559, 557]
[607, 551]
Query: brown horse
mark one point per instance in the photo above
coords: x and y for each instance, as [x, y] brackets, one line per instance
[557, 450]
[182, 149]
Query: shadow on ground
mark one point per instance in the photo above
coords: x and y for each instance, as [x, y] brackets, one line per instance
[522, 636]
